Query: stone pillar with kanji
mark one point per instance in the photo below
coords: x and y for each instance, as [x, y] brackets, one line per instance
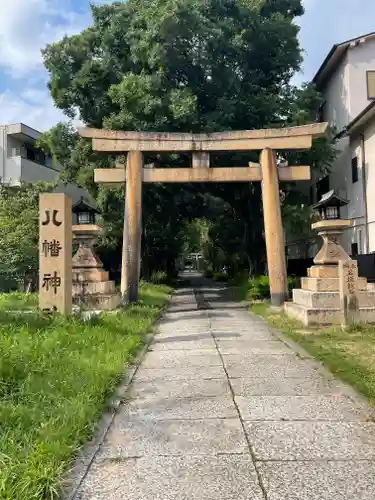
[55, 253]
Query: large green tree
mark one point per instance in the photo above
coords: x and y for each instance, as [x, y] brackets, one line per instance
[186, 65]
[19, 226]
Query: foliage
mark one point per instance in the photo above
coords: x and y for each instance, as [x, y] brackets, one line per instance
[259, 287]
[220, 276]
[55, 374]
[159, 277]
[19, 226]
[182, 65]
[18, 301]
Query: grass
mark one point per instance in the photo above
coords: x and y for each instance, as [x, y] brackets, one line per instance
[349, 354]
[55, 376]
[17, 301]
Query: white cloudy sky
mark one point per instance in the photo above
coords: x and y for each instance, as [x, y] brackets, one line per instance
[26, 26]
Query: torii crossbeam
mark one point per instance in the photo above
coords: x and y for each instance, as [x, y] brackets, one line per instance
[134, 174]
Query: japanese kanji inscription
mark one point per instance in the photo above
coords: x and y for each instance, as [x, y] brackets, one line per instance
[55, 253]
[348, 274]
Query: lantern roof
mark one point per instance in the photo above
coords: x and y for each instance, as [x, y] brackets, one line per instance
[84, 206]
[330, 199]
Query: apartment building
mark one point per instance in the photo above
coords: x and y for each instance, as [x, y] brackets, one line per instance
[20, 160]
[346, 80]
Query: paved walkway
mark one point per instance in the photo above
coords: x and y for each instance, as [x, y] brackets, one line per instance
[220, 409]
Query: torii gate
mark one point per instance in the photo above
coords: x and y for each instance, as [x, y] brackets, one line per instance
[134, 174]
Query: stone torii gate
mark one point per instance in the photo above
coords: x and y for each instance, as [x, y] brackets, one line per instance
[268, 141]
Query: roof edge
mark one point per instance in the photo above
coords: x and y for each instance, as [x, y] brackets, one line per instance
[329, 56]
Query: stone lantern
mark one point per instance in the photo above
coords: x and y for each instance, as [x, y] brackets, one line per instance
[319, 300]
[91, 285]
[330, 227]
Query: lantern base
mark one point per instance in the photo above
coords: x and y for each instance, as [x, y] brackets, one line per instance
[92, 288]
[320, 301]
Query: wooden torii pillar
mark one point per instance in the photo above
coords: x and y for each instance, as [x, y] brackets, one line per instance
[268, 141]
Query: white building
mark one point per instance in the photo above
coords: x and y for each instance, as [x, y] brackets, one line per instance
[20, 160]
[346, 80]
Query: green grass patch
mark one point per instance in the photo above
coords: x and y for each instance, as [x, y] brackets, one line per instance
[55, 376]
[17, 301]
[349, 354]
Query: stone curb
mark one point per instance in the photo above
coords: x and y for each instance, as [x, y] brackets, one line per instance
[87, 455]
[347, 389]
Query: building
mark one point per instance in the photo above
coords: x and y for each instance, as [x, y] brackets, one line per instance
[20, 160]
[346, 80]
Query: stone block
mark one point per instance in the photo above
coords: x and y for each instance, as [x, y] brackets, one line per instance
[323, 272]
[316, 300]
[194, 408]
[312, 440]
[320, 284]
[281, 386]
[274, 365]
[312, 317]
[185, 373]
[94, 287]
[300, 408]
[90, 275]
[367, 315]
[179, 359]
[128, 438]
[318, 480]
[328, 284]
[101, 302]
[329, 300]
[229, 477]
[177, 389]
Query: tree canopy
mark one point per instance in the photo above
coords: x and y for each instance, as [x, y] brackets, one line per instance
[182, 65]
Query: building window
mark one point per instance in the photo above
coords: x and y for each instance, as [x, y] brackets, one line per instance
[322, 112]
[355, 169]
[322, 187]
[30, 154]
[354, 249]
[371, 84]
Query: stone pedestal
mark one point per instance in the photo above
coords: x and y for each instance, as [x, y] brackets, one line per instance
[318, 301]
[92, 288]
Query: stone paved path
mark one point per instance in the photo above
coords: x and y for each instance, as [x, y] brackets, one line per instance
[220, 409]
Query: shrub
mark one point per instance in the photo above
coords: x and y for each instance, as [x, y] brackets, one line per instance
[259, 287]
[159, 278]
[208, 273]
[220, 276]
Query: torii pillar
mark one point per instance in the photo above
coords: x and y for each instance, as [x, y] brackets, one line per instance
[131, 255]
[273, 228]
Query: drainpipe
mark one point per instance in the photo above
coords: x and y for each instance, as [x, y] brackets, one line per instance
[4, 153]
[364, 178]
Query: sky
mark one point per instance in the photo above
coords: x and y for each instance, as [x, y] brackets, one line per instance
[26, 26]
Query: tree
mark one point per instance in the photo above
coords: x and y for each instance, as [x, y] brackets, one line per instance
[19, 228]
[183, 65]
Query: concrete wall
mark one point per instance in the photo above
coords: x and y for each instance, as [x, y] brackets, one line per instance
[31, 172]
[369, 136]
[3, 151]
[361, 59]
[337, 96]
